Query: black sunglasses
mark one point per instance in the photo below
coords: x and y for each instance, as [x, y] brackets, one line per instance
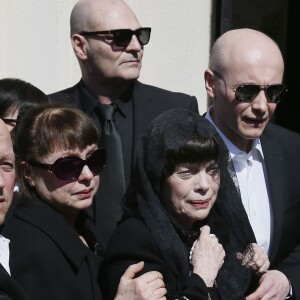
[70, 167]
[247, 92]
[122, 37]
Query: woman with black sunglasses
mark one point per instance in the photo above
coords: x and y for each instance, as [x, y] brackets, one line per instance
[54, 254]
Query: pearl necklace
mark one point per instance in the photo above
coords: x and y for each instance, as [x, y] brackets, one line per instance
[191, 254]
[193, 248]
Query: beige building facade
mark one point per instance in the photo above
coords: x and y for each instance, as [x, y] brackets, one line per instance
[35, 43]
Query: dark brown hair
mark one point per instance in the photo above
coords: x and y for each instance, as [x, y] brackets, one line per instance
[42, 130]
[17, 94]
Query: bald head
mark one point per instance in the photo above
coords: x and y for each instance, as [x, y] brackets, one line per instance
[93, 15]
[241, 47]
[7, 170]
[240, 58]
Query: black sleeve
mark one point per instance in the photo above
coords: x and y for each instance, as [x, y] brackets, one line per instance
[132, 243]
[195, 288]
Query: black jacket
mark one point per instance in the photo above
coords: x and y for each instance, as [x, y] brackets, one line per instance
[9, 288]
[47, 258]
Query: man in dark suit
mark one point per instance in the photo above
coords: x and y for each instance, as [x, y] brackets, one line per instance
[9, 288]
[108, 42]
[244, 80]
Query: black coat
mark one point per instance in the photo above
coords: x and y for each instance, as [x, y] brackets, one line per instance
[147, 232]
[134, 242]
[9, 288]
[47, 258]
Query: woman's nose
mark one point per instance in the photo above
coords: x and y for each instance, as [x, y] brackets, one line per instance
[201, 181]
[86, 174]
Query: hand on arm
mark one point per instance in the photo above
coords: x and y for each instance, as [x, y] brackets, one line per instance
[254, 257]
[148, 286]
[207, 256]
[272, 285]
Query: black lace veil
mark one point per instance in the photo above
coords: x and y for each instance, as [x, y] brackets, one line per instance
[168, 131]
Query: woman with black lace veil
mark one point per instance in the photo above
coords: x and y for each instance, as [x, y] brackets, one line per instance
[178, 218]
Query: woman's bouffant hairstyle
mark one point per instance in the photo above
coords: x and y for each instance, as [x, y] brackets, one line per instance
[42, 130]
[194, 152]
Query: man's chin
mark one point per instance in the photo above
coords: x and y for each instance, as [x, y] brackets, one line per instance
[252, 133]
[130, 73]
[130, 77]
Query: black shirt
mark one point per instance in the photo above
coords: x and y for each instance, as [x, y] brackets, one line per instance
[123, 120]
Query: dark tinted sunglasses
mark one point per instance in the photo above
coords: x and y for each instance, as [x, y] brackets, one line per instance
[247, 92]
[122, 37]
[70, 167]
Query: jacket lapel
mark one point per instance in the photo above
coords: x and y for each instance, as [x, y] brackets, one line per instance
[274, 165]
[142, 115]
[58, 229]
[9, 288]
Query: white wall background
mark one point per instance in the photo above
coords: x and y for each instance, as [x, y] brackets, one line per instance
[35, 44]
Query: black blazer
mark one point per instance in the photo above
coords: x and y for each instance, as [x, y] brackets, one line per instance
[47, 258]
[148, 102]
[281, 151]
[9, 288]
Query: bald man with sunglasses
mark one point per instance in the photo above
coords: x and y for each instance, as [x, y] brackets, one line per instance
[245, 82]
[109, 42]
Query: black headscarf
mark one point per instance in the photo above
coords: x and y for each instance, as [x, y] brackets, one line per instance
[172, 130]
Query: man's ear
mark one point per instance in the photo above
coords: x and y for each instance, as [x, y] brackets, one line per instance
[79, 45]
[28, 174]
[209, 77]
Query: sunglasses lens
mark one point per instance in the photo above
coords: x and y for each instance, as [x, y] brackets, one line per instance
[122, 37]
[246, 92]
[144, 36]
[96, 162]
[275, 92]
[68, 168]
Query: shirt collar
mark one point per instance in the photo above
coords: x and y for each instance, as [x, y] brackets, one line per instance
[90, 102]
[4, 250]
[234, 150]
[123, 104]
